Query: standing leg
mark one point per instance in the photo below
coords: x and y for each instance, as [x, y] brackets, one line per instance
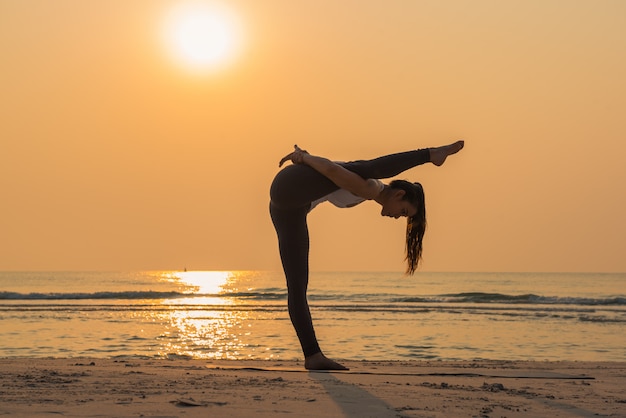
[293, 244]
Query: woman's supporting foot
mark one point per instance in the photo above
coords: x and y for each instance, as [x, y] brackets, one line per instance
[319, 361]
[438, 155]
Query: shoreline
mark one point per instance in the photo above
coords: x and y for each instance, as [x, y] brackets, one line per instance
[133, 387]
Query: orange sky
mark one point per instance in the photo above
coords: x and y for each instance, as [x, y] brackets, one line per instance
[114, 156]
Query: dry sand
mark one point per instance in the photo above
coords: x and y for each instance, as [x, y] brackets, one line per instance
[132, 387]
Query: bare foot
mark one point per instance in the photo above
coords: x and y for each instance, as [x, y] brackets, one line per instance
[319, 361]
[438, 155]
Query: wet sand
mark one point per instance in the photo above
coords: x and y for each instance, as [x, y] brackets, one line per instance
[138, 387]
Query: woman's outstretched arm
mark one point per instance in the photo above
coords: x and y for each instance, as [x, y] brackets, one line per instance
[345, 179]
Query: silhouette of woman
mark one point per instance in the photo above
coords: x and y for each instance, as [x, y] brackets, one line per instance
[311, 180]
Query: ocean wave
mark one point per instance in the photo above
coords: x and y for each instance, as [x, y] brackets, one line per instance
[480, 297]
[136, 295]
[359, 300]
[595, 314]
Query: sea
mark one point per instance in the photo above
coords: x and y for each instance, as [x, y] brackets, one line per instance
[357, 315]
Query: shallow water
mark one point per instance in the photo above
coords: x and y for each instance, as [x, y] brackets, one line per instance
[357, 315]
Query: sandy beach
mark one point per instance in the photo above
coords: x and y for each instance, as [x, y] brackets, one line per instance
[138, 387]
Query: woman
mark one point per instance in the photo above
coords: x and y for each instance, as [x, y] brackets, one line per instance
[300, 187]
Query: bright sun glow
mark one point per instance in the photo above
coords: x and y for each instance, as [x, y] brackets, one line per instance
[202, 36]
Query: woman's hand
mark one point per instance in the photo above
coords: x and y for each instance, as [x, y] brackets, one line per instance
[296, 156]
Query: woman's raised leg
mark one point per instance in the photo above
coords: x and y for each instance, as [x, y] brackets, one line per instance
[394, 164]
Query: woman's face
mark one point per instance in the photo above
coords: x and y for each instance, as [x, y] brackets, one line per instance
[396, 207]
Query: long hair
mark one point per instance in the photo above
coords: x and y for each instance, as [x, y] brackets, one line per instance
[416, 224]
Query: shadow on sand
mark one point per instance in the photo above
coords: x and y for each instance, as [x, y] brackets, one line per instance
[352, 400]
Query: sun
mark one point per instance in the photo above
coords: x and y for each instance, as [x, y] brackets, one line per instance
[201, 36]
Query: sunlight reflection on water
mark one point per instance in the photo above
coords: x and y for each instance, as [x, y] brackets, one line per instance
[203, 334]
[206, 333]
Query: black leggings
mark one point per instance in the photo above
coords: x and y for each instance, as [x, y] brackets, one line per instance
[291, 193]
